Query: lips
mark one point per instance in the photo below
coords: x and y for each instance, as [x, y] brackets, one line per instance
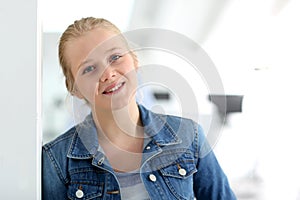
[114, 88]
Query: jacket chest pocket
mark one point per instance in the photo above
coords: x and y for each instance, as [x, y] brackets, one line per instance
[86, 185]
[180, 170]
[178, 176]
[179, 179]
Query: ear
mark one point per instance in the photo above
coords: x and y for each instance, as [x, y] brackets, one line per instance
[135, 60]
[136, 64]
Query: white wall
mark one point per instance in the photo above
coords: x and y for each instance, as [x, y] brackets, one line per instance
[19, 149]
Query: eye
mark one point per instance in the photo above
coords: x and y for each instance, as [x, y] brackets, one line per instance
[88, 69]
[114, 58]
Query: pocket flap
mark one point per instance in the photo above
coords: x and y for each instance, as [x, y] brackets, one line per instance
[180, 169]
[85, 190]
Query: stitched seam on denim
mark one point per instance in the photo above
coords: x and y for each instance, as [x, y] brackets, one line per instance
[74, 142]
[167, 125]
[82, 170]
[161, 167]
[197, 141]
[92, 183]
[176, 150]
[178, 176]
[56, 167]
[161, 192]
[158, 116]
[173, 191]
[179, 161]
[186, 151]
[53, 143]
[178, 158]
[164, 166]
[65, 136]
[88, 196]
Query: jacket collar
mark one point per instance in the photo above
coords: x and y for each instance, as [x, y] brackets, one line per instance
[85, 145]
[157, 126]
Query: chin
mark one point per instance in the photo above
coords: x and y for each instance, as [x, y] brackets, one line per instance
[118, 106]
[121, 104]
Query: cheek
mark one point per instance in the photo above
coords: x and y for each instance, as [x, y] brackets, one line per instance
[89, 92]
[87, 87]
[130, 65]
[133, 79]
[131, 71]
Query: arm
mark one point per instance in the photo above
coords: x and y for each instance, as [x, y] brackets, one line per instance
[53, 186]
[210, 182]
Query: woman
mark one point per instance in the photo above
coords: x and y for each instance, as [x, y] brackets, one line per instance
[122, 150]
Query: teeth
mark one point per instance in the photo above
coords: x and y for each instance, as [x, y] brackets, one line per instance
[115, 88]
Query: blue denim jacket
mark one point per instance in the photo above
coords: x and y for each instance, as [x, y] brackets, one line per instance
[177, 163]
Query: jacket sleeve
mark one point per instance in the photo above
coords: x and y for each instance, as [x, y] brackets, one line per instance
[210, 182]
[53, 186]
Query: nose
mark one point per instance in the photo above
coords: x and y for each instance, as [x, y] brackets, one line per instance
[108, 74]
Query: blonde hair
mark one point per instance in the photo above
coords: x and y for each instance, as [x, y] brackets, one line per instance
[74, 31]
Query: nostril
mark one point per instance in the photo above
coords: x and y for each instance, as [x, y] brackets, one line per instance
[107, 76]
[102, 79]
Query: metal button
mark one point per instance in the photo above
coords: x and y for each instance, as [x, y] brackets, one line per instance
[148, 147]
[182, 172]
[79, 193]
[152, 177]
[101, 160]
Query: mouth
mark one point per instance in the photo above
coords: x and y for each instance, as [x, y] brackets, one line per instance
[113, 89]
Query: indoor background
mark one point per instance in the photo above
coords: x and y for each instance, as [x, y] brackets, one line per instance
[254, 45]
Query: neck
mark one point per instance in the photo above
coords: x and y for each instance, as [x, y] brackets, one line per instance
[119, 125]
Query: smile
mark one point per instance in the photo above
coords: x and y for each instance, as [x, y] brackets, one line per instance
[114, 89]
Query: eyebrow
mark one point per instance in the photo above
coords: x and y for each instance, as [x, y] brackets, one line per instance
[89, 60]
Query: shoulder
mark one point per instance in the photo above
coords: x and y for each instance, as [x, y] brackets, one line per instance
[191, 133]
[182, 125]
[66, 137]
[54, 156]
[186, 129]
[58, 148]
[180, 121]
[177, 126]
[150, 118]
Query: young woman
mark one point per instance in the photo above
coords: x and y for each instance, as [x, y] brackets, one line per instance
[122, 150]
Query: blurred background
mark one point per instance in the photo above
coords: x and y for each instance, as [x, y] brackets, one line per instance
[254, 45]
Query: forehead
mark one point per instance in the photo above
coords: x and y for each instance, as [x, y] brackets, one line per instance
[79, 48]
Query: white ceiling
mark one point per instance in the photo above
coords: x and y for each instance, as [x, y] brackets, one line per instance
[58, 14]
[194, 18]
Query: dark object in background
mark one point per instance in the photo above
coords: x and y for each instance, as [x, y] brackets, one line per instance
[227, 103]
[161, 95]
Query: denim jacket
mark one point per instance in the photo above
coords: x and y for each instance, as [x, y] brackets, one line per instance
[177, 163]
